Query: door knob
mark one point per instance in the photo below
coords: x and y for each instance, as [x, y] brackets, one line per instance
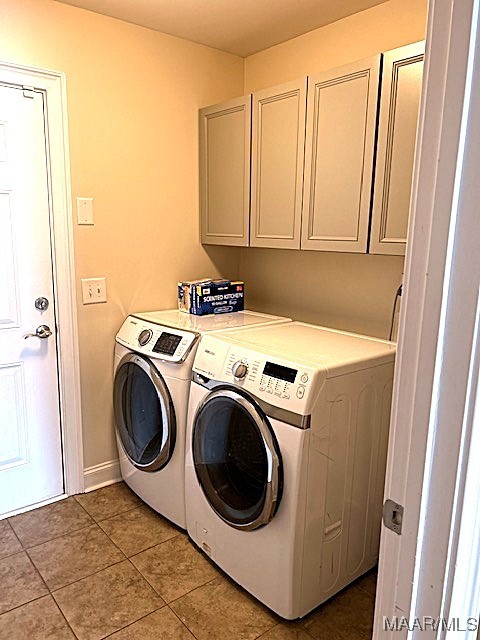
[42, 331]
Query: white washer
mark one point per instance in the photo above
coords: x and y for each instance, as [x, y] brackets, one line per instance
[286, 446]
[153, 366]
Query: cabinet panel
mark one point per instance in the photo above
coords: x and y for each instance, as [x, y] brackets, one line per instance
[225, 172]
[341, 118]
[399, 105]
[278, 139]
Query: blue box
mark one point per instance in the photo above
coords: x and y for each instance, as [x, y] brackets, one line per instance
[207, 297]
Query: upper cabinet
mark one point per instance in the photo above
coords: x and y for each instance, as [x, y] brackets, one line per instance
[317, 149]
[341, 117]
[225, 172]
[399, 106]
[278, 139]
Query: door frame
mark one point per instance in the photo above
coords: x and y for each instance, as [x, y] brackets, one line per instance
[53, 85]
[429, 471]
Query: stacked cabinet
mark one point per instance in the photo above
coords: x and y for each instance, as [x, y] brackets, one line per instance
[225, 173]
[293, 166]
[399, 107]
[278, 139]
[341, 119]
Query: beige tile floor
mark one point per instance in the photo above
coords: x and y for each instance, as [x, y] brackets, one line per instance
[104, 565]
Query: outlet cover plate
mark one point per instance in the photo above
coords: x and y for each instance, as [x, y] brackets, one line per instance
[85, 210]
[94, 290]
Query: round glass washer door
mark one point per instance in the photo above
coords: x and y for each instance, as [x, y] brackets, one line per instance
[237, 459]
[144, 413]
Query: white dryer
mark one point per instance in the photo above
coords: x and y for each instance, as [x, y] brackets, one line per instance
[286, 447]
[153, 366]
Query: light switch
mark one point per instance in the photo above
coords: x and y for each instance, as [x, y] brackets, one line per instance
[94, 290]
[85, 210]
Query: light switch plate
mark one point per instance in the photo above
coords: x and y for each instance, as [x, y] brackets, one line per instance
[85, 210]
[94, 290]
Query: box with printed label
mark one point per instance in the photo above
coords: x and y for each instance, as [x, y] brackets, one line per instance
[206, 296]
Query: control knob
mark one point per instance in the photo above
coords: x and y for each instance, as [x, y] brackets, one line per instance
[240, 370]
[144, 337]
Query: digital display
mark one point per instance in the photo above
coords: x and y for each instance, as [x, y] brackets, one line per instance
[277, 371]
[167, 343]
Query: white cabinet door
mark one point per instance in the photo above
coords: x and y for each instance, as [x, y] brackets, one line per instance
[401, 89]
[278, 139]
[30, 436]
[341, 119]
[225, 172]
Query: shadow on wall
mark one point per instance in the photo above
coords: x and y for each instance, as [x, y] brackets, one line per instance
[226, 260]
[354, 292]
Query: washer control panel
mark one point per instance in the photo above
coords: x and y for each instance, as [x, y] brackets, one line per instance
[278, 382]
[240, 370]
[155, 340]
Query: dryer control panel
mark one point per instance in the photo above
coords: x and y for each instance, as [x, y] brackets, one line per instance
[156, 340]
[269, 377]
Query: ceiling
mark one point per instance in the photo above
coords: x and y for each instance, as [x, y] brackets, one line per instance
[241, 27]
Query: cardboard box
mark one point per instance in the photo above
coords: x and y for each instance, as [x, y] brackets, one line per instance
[207, 297]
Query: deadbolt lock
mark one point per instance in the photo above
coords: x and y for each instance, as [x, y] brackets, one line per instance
[41, 304]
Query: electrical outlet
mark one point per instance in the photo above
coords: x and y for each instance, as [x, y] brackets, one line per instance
[94, 290]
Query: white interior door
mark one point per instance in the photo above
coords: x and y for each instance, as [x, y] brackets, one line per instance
[30, 435]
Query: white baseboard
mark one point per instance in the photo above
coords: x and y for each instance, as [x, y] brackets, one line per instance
[102, 475]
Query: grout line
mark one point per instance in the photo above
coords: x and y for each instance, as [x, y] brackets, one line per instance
[62, 535]
[158, 544]
[182, 622]
[55, 537]
[19, 606]
[257, 602]
[277, 624]
[94, 524]
[53, 591]
[112, 515]
[44, 595]
[14, 553]
[14, 533]
[68, 584]
[135, 621]
[137, 553]
[264, 633]
[63, 616]
[192, 590]
[179, 597]
[146, 580]
[37, 571]
[113, 542]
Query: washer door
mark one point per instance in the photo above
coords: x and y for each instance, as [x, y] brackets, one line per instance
[237, 459]
[144, 413]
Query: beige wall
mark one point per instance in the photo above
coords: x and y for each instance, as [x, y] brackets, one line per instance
[353, 292]
[133, 96]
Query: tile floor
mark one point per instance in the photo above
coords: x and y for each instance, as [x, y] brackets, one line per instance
[103, 565]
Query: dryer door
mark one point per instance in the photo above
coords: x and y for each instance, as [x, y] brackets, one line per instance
[144, 413]
[237, 459]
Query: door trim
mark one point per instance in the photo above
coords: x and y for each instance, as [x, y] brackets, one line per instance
[53, 85]
[424, 454]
